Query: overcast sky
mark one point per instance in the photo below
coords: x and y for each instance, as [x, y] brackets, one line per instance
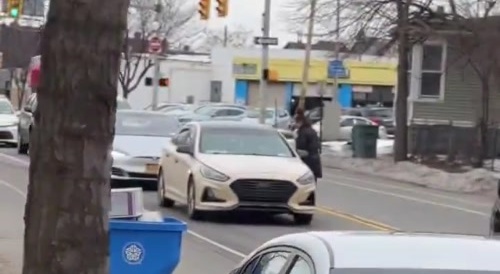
[248, 13]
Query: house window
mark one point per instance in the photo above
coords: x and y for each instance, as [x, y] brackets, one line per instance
[427, 71]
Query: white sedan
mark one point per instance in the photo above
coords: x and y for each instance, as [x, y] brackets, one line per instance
[139, 138]
[231, 166]
[348, 122]
[368, 252]
[8, 122]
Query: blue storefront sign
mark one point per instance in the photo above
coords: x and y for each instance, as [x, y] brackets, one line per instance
[336, 69]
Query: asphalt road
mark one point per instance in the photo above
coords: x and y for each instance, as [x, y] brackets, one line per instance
[346, 202]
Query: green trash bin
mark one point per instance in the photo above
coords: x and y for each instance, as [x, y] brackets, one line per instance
[364, 141]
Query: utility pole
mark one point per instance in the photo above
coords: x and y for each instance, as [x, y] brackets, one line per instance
[225, 36]
[266, 25]
[401, 138]
[156, 59]
[307, 58]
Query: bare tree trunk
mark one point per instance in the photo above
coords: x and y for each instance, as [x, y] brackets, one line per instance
[68, 194]
[401, 138]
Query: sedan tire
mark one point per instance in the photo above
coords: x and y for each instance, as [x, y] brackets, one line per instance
[193, 213]
[303, 219]
[162, 200]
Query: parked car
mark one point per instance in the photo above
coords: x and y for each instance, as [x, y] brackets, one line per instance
[214, 112]
[162, 106]
[314, 114]
[8, 122]
[495, 215]
[139, 138]
[27, 121]
[368, 252]
[278, 118]
[380, 115]
[348, 122]
[232, 166]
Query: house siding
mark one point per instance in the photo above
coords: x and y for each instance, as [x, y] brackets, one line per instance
[461, 97]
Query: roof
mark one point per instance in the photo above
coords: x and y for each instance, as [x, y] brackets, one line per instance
[320, 45]
[379, 249]
[232, 125]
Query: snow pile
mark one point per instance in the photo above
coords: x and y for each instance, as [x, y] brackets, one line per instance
[475, 180]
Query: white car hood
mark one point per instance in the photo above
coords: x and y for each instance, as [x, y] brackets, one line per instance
[246, 164]
[145, 146]
[8, 119]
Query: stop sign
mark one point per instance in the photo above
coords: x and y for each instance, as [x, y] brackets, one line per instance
[155, 45]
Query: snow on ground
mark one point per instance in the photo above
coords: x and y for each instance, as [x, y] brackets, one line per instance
[338, 155]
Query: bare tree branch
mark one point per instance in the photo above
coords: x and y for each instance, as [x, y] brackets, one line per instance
[237, 37]
[177, 24]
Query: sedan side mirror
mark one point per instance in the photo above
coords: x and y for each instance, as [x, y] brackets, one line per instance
[185, 149]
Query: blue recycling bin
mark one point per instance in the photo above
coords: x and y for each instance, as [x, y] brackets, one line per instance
[145, 247]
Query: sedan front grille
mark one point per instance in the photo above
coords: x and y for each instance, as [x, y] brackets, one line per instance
[265, 191]
[142, 175]
[5, 135]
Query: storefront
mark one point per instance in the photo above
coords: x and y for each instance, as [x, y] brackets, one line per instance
[365, 83]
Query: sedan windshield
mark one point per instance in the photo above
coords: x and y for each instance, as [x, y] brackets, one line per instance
[6, 108]
[204, 110]
[243, 141]
[145, 124]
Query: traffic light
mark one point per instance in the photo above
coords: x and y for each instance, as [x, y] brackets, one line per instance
[164, 82]
[222, 6]
[14, 8]
[204, 9]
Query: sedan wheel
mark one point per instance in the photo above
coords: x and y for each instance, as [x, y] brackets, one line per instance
[193, 213]
[162, 200]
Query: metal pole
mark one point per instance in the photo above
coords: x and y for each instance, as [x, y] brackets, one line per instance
[266, 25]
[307, 59]
[225, 36]
[156, 61]
[337, 53]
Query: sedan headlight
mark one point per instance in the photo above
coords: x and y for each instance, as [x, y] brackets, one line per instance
[213, 174]
[9, 125]
[307, 178]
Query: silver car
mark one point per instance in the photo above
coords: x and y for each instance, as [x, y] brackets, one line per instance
[137, 146]
[373, 252]
[213, 112]
[278, 118]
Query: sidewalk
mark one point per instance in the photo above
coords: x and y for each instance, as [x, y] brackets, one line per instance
[11, 233]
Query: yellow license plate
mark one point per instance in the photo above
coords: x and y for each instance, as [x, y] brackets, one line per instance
[152, 168]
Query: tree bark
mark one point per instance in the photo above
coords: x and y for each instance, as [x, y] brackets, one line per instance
[401, 138]
[66, 213]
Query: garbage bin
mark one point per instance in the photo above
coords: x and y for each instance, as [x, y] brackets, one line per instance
[145, 247]
[364, 141]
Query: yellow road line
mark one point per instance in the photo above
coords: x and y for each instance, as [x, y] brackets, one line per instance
[356, 219]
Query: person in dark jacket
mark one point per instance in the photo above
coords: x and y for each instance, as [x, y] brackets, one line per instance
[308, 144]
